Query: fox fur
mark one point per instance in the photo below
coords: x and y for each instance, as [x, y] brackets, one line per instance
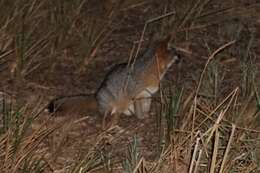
[127, 89]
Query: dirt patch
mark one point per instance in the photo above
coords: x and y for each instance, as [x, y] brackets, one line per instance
[61, 76]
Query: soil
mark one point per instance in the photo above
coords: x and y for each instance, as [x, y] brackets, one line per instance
[82, 131]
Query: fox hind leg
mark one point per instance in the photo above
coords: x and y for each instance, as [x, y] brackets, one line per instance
[110, 120]
[107, 113]
[130, 110]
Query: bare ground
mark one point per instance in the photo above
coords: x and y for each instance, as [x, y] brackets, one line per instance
[61, 76]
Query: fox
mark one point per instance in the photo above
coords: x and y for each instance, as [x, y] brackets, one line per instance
[77, 104]
[128, 89]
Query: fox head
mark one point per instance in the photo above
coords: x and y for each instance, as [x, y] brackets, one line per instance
[166, 54]
[165, 48]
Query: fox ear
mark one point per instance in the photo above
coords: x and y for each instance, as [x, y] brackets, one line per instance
[168, 41]
[170, 45]
[155, 37]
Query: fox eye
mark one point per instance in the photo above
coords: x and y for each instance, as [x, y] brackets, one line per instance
[170, 46]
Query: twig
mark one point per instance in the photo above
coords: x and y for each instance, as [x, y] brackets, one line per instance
[227, 149]
[193, 160]
[215, 152]
[202, 75]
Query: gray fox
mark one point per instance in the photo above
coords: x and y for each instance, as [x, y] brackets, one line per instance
[128, 89]
[79, 104]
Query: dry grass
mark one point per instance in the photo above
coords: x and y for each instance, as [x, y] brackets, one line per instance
[207, 121]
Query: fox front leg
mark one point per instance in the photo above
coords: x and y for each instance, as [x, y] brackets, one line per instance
[142, 107]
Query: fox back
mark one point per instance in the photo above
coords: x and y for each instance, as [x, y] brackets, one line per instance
[124, 86]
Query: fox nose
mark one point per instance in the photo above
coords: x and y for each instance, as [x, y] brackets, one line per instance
[177, 59]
